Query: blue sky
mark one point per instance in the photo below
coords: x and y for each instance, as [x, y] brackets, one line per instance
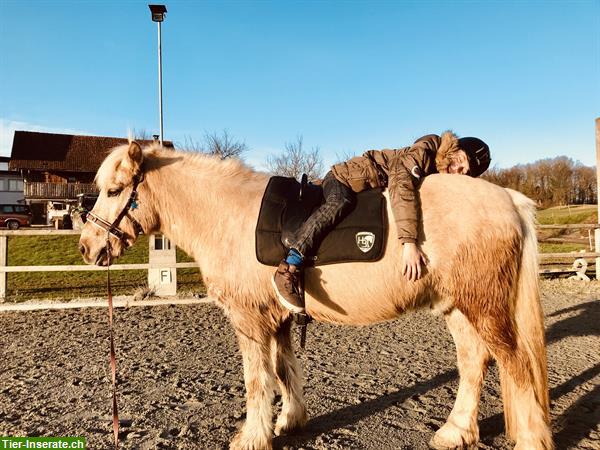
[346, 75]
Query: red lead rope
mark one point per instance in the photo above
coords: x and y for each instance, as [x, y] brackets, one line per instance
[113, 359]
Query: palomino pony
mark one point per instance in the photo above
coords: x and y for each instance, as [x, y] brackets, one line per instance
[482, 276]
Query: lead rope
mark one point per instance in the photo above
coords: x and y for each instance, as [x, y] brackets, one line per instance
[113, 359]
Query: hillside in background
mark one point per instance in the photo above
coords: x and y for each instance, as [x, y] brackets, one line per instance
[570, 214]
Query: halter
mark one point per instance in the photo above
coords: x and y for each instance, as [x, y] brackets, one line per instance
[113, 228]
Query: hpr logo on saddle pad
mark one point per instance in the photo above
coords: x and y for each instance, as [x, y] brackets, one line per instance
[365, 241]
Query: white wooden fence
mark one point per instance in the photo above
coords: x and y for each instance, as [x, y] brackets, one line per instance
[580, 264]
[5, 269]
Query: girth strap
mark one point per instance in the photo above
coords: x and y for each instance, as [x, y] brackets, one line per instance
[302, 319]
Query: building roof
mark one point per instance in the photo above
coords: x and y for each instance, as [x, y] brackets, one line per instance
[4, 159]
[48, 151]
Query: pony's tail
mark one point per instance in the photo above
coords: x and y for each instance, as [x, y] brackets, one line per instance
[529, 321]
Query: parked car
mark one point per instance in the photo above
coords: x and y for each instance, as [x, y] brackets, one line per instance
[57, 214]
[15, 216]
[56, 211]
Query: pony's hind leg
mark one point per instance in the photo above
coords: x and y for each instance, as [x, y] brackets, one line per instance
[257, 431]
[524, 412]
[289, 377]
[461, 429]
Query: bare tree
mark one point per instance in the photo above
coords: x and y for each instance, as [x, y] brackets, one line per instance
[141, 135]
[190, 145]
[295, 161]
[222, 145]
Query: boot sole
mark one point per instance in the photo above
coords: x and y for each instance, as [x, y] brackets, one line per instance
[287, 305]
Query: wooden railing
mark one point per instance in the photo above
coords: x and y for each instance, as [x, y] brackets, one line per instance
[580, 264]
[36, 189]
[165, 263]
[577, 226]
[5, 269]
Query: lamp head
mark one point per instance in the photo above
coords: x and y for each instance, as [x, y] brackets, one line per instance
[158, 12]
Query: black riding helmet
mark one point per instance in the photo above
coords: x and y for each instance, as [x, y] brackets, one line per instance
[478, 153]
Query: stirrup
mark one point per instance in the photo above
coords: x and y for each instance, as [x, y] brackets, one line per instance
[302, 320]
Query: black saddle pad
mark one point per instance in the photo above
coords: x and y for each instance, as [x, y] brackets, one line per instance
[360, 236]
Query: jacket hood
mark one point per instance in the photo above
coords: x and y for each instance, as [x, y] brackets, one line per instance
[446, 151]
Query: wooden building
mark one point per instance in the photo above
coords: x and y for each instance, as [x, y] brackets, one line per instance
[11, 184]
[58, 167]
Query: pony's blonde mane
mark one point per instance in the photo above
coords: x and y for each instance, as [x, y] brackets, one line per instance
[114, 164]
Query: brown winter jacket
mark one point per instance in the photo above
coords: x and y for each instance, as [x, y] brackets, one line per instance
[401, 171]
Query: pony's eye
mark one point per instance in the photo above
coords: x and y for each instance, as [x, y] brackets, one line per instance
[114, 192]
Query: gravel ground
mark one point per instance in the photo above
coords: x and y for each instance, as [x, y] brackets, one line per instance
[388, 386]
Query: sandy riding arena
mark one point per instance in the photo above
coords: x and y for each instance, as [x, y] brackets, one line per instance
[181, 387]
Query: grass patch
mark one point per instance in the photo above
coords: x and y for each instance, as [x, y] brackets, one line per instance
[546, 247]
[62, 250]
[564, 215]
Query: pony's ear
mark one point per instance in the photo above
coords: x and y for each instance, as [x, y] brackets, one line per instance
[134, 156]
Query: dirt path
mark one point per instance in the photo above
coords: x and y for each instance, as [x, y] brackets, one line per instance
[385, 386]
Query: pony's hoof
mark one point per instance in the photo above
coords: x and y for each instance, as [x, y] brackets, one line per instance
[451, 437]
[242, 442]
[285, 426]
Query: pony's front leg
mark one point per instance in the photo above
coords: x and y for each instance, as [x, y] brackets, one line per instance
[257, 431]
[289, 377]
[461, 429]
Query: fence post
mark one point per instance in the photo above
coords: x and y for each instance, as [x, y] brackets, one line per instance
[597, 230]
[3, 261]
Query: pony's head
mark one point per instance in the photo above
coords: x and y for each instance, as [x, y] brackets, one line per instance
[120, 212]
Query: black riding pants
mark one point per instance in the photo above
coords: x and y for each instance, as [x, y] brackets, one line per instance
[339, 199]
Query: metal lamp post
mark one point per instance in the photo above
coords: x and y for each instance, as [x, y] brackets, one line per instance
[158, 16]
[162, 277]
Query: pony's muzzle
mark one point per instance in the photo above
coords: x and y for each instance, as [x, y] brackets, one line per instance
[88, 252]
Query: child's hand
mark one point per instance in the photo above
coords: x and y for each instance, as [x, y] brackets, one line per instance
[412, 257]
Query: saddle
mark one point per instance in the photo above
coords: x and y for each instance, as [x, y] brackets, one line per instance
[287, 203]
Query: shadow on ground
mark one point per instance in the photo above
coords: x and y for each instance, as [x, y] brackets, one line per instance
[351, 414]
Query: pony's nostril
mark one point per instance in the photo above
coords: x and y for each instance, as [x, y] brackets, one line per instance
[82, 249]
